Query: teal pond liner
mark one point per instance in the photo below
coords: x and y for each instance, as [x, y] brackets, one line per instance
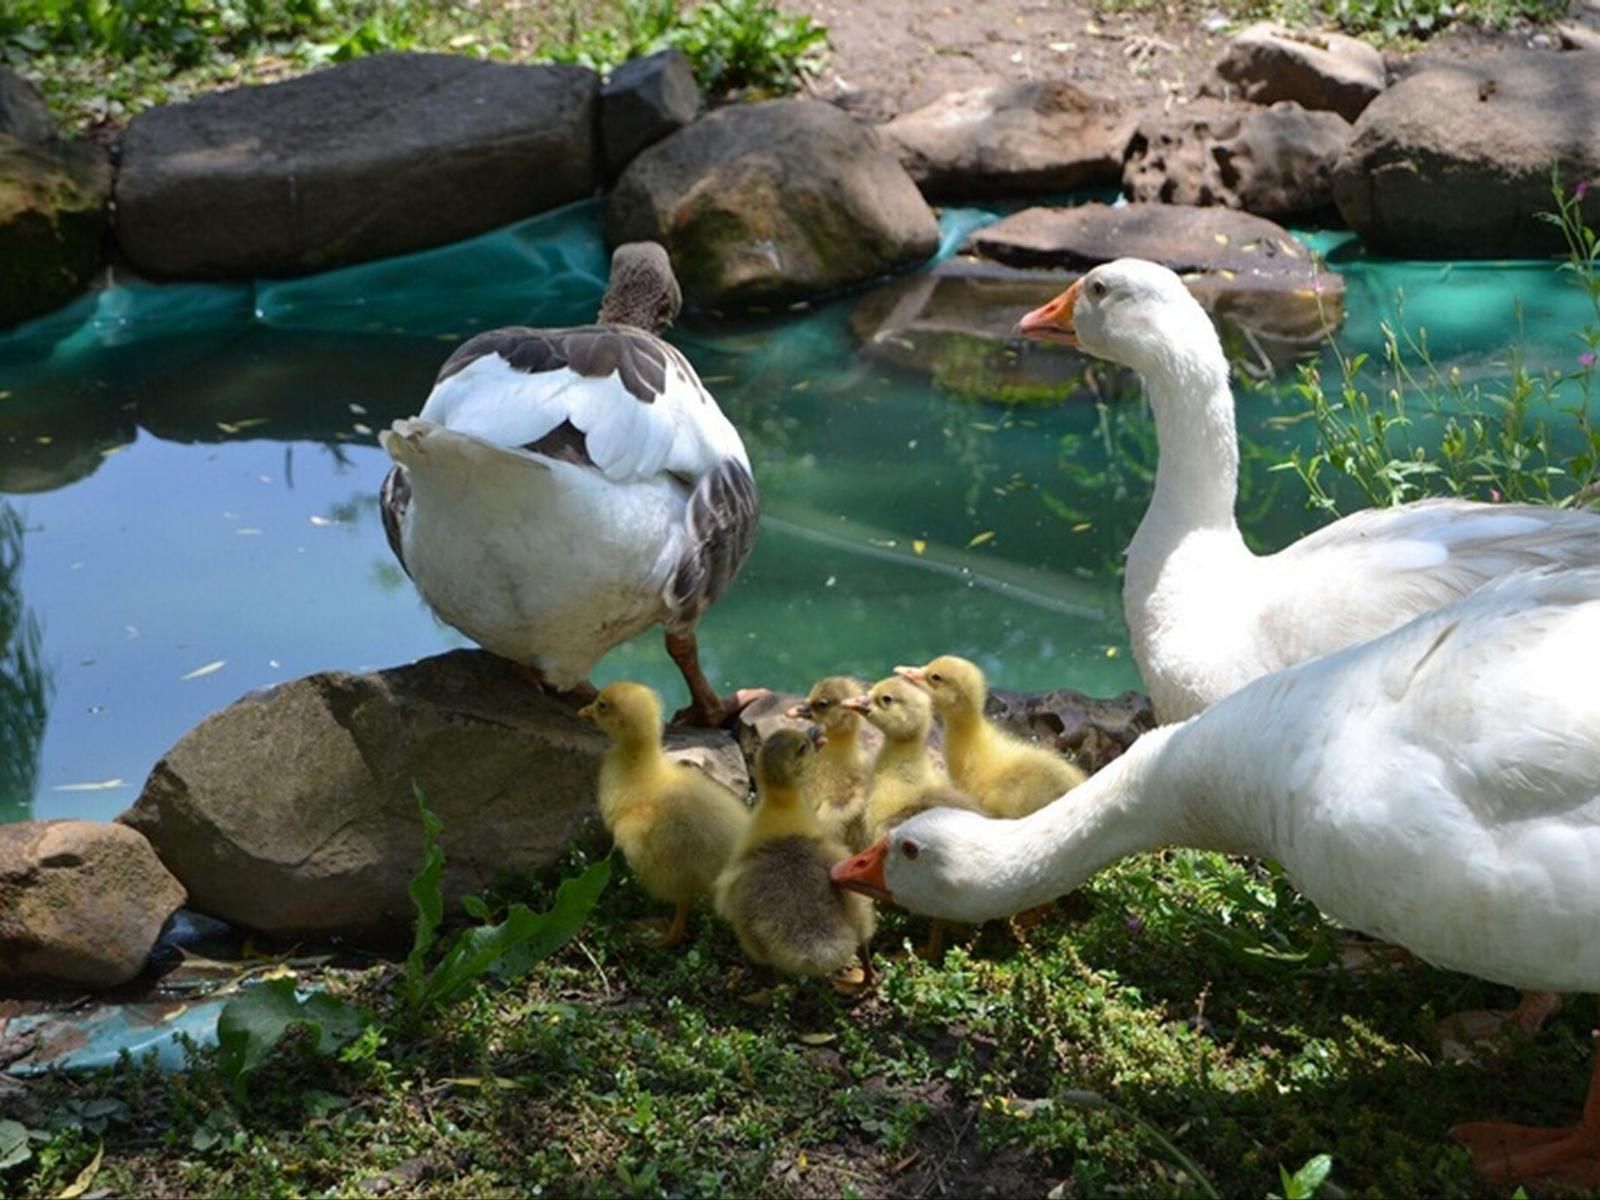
[92, 1038]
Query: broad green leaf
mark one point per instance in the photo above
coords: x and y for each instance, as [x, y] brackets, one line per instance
[13, 1144]
[1305, 1182]
[254, 1022]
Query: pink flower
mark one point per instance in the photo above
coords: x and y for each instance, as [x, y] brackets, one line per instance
[1494, 496]
[1586, 359]
[1582, 189]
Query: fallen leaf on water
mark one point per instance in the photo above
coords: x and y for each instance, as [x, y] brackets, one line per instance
[979, 539]
[205, 670]
[362, 429]
[320, 521]
[1082, 527]
[801, 386]
[248, 531]
[104, 785]
[918, 545]
[44, 439]
[359, 409]
[237, 426]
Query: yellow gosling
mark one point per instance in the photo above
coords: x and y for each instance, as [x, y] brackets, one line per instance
[676, 826]
[837, 781]
[1010, 777]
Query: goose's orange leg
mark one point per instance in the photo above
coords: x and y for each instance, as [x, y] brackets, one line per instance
[1505, 1153]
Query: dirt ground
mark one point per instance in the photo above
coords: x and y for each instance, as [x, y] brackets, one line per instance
[891, 56]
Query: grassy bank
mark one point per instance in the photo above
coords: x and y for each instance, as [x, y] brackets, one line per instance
[1199, 995]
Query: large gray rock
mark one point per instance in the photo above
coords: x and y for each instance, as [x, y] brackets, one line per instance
[81, 903]
[1456, 160]
[54, 205]
[643, 101]
[292, 812]
[1275, 162]
[764, 204]
[1259, 283]
[1267, 63]
[1038, 136]
[23, 113]
[369, 158]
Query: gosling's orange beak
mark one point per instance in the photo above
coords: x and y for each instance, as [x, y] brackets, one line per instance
[916, 675]
[799, 712]
[864, 872]
[1053, 322]
[858, 704]
[587, 712]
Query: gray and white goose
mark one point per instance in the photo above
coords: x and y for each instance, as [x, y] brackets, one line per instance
[565, 489]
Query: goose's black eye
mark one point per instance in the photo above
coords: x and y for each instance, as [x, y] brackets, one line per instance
[1097, 289]
[910, 849]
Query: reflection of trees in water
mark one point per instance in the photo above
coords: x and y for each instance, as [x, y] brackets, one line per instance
[24, 681]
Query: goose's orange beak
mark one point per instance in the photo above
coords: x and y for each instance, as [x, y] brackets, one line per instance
[858, 704]
[916, 675]
[864, 872]
[800, 712]
[1053, 322]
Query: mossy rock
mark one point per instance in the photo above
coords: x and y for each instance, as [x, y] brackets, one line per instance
[54, 206]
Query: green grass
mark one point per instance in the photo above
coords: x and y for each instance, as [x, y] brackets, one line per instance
[1194, 992]
[99, 62]
[1399, 23]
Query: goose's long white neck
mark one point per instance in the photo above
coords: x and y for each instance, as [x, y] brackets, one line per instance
[1168, 789]
[1197, 475]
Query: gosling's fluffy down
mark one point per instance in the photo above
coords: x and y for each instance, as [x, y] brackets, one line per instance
[676, 826]
[837, 781]
[905, 778]
[776, 892]
[1008, 776]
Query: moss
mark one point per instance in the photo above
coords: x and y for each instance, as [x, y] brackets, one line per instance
[54, 206]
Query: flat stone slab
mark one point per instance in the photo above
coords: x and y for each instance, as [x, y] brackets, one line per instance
[370, 158]
[292, 811]
[1266, 63]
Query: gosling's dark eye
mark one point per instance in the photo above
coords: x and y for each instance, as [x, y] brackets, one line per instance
[885, 701]
[936, 677]
[910, 849]
[821, 705]
[1097, 289]
[603, 706]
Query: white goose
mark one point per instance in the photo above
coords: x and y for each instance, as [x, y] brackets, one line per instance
[565, 489]
[1205, 615]
[1438, 787]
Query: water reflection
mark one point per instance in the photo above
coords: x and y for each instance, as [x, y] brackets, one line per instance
[25, 681]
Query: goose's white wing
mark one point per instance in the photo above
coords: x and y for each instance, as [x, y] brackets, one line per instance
[617, 398]
[1373, 570]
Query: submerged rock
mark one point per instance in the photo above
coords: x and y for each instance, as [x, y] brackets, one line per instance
[1319, 70]
[292, 811]
[370, 158]
[1275, 162]
[81, 903]
[771, 203]
[54, 206]
[1010, 139]
[1457, 159]
[957, 322]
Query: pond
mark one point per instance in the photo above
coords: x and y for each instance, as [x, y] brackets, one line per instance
[188, 477]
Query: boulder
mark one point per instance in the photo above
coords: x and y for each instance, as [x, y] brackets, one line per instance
[81, 903]
[1267, 63]
[23, 113]
[54, 206]
[1275, 162]
[643, 101]
[770, 203]
[1010, 139]
[1262, 286]
[370, 158]
[957, 323]
[1457, 159]
[292, 811]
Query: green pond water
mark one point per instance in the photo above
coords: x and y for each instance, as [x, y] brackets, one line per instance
[187, 475]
